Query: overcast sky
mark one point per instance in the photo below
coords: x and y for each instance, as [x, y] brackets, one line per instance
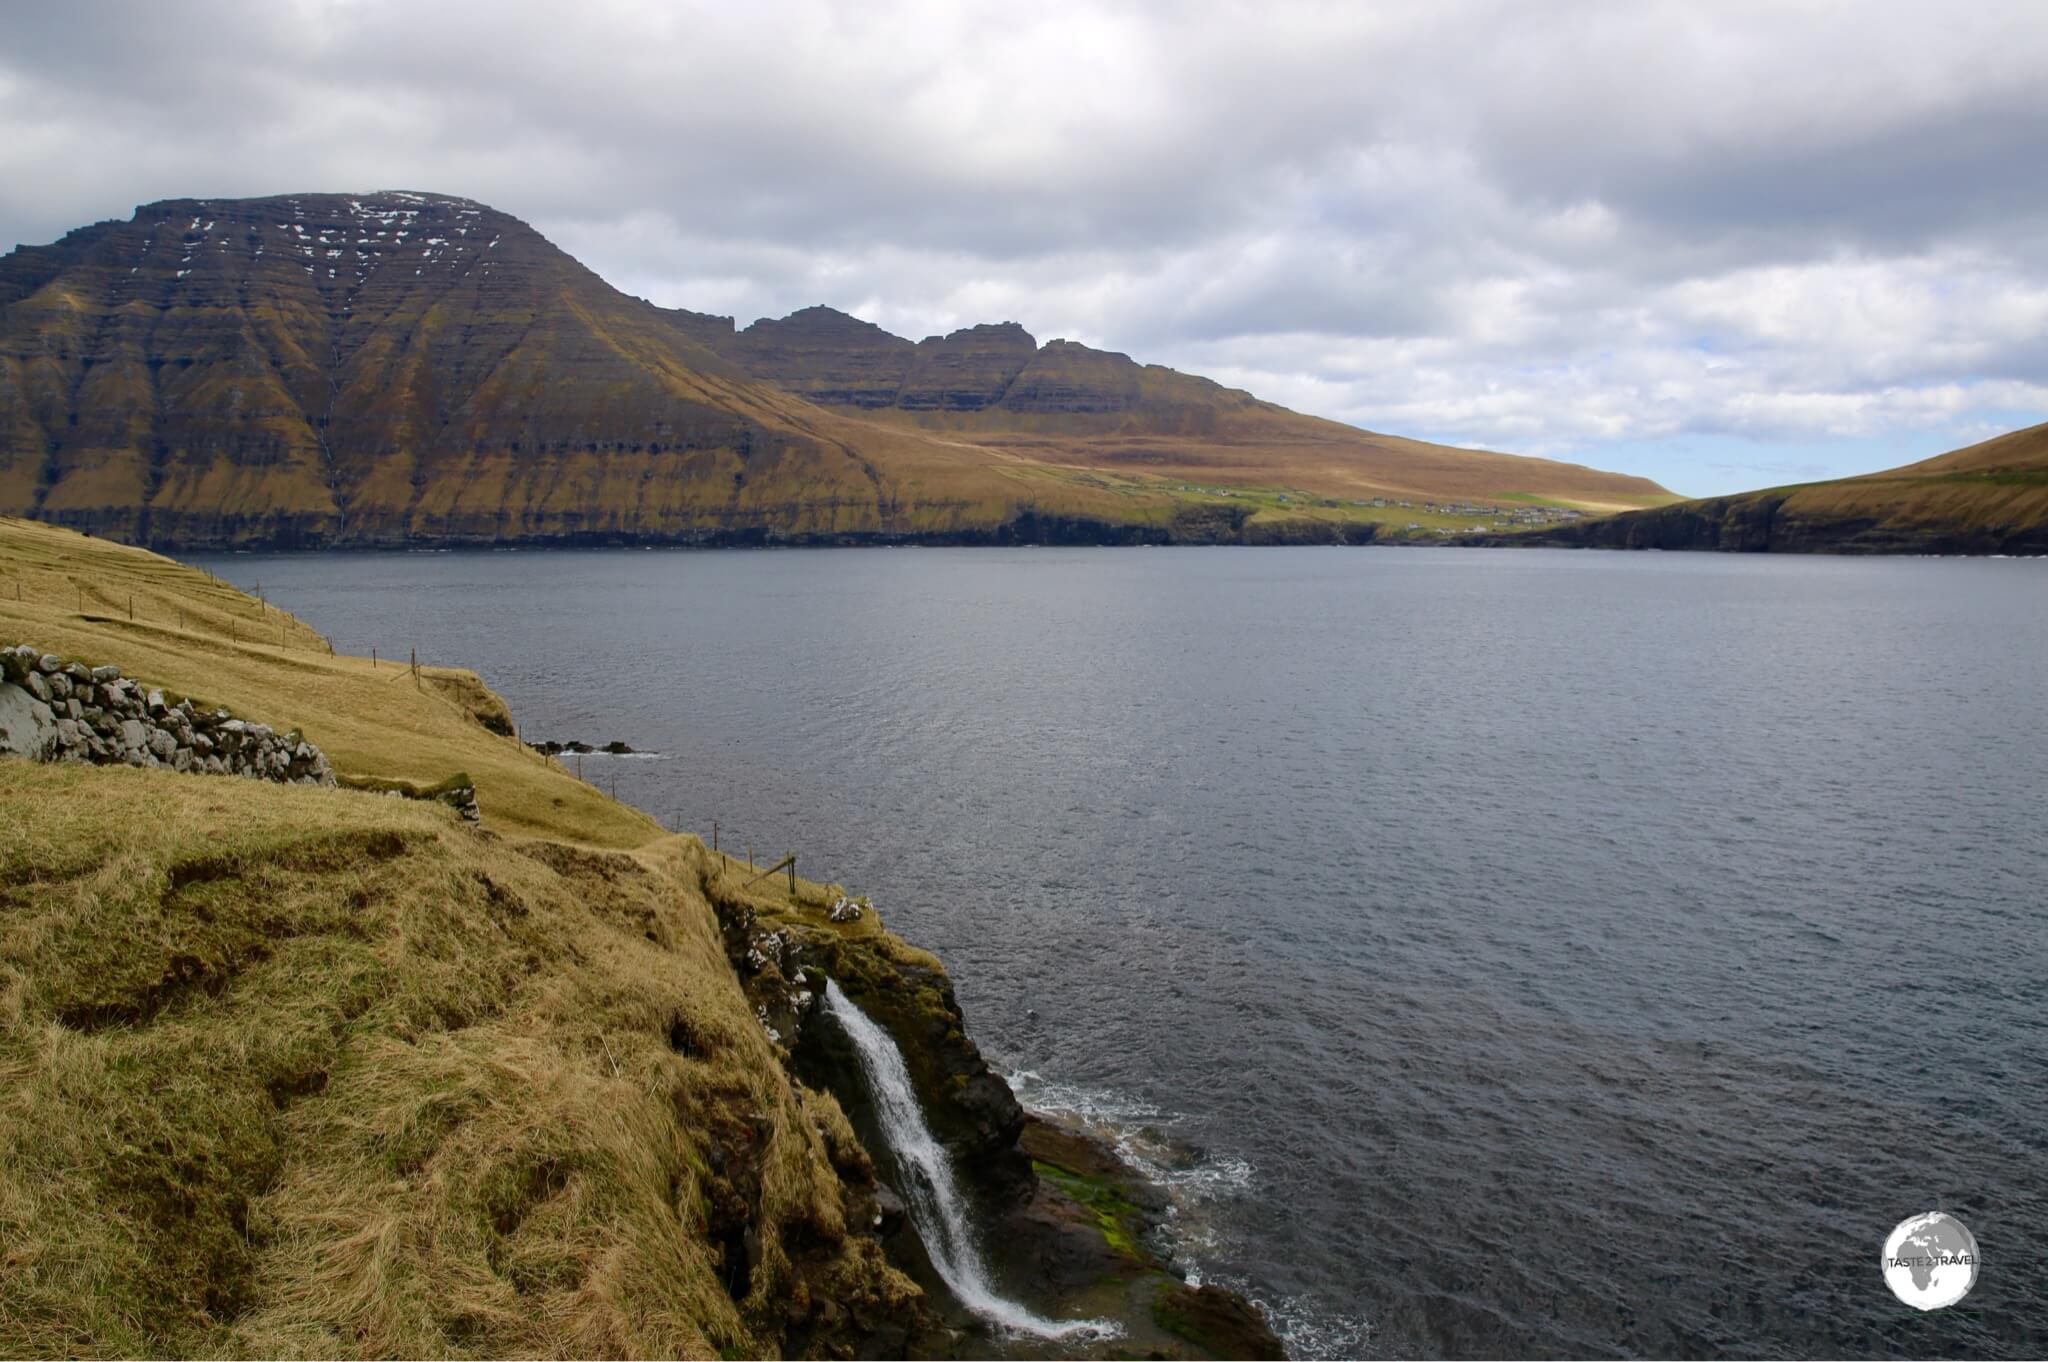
[1721, 245]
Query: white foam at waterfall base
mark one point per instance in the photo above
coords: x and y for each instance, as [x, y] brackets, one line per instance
[1194, 1232]
[929, 1191]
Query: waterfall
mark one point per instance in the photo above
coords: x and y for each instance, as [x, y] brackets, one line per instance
[930, 1193]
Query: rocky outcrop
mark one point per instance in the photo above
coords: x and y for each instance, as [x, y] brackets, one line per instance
[783, 965]
[1071, 1228]
[1066, 376]
[824, 356]
[53, 710]
[706, 329]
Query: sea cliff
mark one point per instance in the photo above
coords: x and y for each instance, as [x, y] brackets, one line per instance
[300, 1067]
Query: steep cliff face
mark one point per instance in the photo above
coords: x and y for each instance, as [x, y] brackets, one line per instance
[968, 370]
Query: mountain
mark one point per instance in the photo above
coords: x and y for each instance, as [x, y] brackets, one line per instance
[1066, 402]
[1981, 499]
[409, 368]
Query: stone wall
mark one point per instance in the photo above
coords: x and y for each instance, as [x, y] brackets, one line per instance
[52, 710]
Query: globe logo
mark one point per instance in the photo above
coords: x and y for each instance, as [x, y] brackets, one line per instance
[1930, 1261]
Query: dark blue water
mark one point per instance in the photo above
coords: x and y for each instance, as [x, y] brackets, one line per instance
[1545, 953]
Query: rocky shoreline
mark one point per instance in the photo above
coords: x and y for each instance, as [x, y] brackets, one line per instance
[1074, 1227]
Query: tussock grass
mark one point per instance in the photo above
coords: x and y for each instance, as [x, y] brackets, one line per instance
[304, 1071]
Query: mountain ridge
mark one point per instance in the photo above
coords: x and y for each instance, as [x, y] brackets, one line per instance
[403, 368]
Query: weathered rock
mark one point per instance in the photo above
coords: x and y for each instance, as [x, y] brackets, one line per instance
[100, 675]
[27, 727]
[37, 686]
[1221, 1323]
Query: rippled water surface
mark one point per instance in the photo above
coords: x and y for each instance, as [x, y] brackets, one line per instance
[1542, 952]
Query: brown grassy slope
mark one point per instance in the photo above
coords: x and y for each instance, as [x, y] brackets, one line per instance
[1986, 498]
[194, 636]
[305, 1072]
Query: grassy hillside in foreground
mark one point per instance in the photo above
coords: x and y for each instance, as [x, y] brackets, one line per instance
[308, 1071]
[301, 1071]
[305, 1072]
[1985, 498]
